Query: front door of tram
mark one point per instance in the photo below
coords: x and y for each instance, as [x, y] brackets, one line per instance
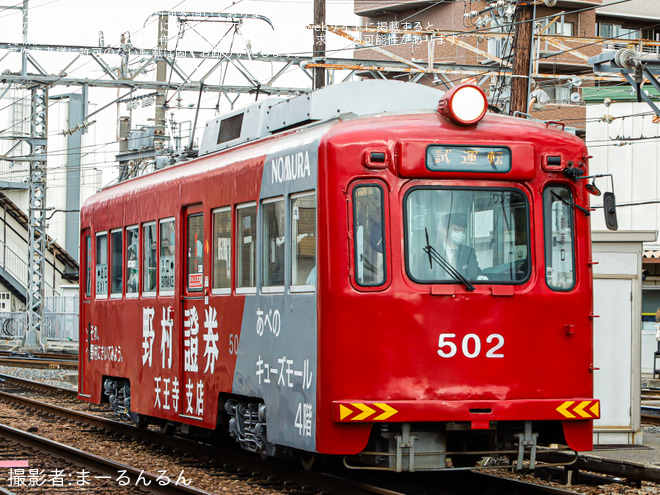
[85, 336]
[195, 289]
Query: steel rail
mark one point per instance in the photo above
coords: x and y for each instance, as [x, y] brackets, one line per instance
[24, 382]
[97, 463]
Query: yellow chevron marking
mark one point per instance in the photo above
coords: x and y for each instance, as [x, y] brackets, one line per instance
[563, 409]
[366, 411]
[388, 411]
[580, 409]
[595, 409]
[344, 411]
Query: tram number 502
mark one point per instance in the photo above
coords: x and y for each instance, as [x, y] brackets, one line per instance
[470, 345]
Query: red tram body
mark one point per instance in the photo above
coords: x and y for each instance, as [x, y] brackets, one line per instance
[295, 290]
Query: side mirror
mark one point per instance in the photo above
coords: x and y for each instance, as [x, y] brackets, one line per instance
[609, 208]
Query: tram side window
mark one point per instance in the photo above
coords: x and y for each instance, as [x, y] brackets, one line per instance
[167, 244]
[149, 258]
[246, 246]
[222, 248]
[132, 260]
[303, 240]
[88, 266]
[368, 213]
[272, 229]
[559, 238]
[102, 264]
[195, 270]
[116, 270]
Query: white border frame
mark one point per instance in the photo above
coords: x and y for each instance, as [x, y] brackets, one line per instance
[166, 292]
[142, 264]
[251, 289]
[222, 290]
[96, 250]
[303, 287]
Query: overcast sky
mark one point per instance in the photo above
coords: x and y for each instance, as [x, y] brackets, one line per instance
[78, 22]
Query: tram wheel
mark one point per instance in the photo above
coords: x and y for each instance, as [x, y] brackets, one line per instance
[309, 460]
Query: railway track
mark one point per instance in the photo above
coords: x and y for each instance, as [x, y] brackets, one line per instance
[42, 465]
[39, 360]
[651, 415]
[231, 466]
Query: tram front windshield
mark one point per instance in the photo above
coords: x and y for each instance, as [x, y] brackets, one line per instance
[458, 235]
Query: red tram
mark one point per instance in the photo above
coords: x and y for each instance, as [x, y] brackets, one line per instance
[358, 272]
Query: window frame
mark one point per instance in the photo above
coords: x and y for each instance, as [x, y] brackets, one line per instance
[143, 239]
[167, 291]
[222, 290]
[111, 245]
[194, 291]
[251, 289]
[87, 240]
[547, 229]
[136, 293]
[302, 287]
[96, 252]
[384, 187]
[271, 289]
[494, 188]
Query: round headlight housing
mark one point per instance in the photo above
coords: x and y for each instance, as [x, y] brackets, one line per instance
[465, 105]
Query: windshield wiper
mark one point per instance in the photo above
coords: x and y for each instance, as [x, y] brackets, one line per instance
[571, 204]
[434, 255]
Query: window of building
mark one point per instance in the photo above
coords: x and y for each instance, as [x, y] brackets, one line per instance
[369, 234]
[272, 234]
[102, 264]
[303, 241]
[222, 250]
[116, 270]
[558, 27]
[246, 247]
[167, 259]
[559, 238]
[617, 31]
[132, 260]
[149, 258]
[195, 247]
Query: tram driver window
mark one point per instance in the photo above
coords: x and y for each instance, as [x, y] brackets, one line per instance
[102, 264]
[480, 235]
[167, 243]
[132, 260]
[303, 240]
[149, 258]
[368, 213]
[559, 238]
[273, 243]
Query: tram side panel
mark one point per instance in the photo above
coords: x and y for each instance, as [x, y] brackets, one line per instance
[277, 359]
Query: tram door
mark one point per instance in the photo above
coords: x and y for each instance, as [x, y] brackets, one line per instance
[84, 344]
[195, 289]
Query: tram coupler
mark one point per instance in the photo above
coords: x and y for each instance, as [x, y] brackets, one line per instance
[526, 439]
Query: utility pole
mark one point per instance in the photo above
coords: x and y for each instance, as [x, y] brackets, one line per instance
[319, 42]
[161, 76]
[37, 242]
[522, 54]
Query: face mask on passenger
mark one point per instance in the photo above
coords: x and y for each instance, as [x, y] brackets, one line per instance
[457, 236]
